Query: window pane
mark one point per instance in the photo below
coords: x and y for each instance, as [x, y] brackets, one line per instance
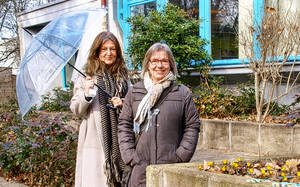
[190, 6]
[143, 9]
[224, 25]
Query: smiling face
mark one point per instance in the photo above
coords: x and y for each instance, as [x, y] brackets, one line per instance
[159, 65]
[108, 53]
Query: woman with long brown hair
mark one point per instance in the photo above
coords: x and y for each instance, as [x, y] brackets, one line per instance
[99, 161]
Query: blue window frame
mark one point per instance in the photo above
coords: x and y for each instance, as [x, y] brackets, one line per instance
[124, 12]
[205, 25]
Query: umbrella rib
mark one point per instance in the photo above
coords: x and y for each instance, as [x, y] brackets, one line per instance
[102, 89]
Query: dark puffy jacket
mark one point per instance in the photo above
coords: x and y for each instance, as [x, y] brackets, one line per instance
[171, 138]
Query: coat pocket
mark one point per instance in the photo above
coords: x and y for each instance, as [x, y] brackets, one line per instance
[167, 153]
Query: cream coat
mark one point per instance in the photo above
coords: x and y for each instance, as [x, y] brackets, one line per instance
[90, 152]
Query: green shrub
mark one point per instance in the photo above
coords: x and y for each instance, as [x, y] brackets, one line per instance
[57, 100]
[173, 26]
[213, 101]
[40, 151]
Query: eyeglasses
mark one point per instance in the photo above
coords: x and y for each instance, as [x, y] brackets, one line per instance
[163, 62]
[105, 50]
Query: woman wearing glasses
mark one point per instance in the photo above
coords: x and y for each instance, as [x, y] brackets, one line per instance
[159, 123]
[99, 161]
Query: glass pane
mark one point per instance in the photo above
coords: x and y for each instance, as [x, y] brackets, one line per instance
[190, 6]
[224, 25]
[143, 9]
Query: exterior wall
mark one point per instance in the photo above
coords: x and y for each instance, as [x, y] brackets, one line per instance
[245, 13]
[7, 85]
[113, 24]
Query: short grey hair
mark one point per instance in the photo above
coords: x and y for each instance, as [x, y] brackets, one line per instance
[159, 47]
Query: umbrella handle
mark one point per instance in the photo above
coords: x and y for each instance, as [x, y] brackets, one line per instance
[102, 89]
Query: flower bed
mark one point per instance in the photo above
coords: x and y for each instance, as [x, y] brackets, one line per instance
[269, 170]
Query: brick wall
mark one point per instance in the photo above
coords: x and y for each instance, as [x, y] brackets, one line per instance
[7, 84]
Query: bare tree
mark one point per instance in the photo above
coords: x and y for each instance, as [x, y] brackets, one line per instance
[269, 45]
[9, 44]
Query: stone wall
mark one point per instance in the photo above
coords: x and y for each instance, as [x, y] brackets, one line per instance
[249, 137]
[7, 84]
[188, 175]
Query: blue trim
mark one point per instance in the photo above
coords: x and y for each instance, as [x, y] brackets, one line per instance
[206, 34]
[228, 62]
[258, 13]
[127, 4]
[64, 78]
[245, 61]
[160, 5]
[290, 59]
[205, 24]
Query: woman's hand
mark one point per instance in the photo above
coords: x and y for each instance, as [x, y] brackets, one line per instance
[88, 84]
[117, 102]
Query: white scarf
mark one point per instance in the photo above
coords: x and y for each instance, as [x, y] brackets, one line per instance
[154, 91]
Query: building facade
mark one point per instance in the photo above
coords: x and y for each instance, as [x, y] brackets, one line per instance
[221, 20]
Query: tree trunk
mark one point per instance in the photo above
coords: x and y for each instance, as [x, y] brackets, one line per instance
[257, 98]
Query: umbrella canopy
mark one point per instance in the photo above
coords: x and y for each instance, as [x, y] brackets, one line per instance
[49, 51]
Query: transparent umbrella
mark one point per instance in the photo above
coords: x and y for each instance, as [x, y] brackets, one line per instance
[49, 51]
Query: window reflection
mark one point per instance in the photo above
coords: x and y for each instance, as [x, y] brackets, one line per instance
[143, 9]
[189, 6]
[224, 25]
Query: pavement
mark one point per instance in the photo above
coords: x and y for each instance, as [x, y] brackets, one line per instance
[213, 155]
[4, 183]
[199, 156]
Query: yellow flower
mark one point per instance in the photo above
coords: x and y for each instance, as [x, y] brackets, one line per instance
[271, 172]
[239, 159]
[251, 170]
[210, 163]
[287, 163]
[224, 168]
[298, 174]
[283, 168]
[200, 167]
[269, 168]
[248, 164]
[284, 179]
[234, 164]
[263, 171]
[282, 174]
[224, 162]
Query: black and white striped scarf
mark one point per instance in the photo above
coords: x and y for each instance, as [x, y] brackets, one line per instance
[114, 164]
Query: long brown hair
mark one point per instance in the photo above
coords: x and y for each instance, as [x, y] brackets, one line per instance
[96, 67]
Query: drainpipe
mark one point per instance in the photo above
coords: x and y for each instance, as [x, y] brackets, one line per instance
[103, 3]
[105, 26]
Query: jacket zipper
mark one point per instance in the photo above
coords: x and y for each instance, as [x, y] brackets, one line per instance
[155, 113]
